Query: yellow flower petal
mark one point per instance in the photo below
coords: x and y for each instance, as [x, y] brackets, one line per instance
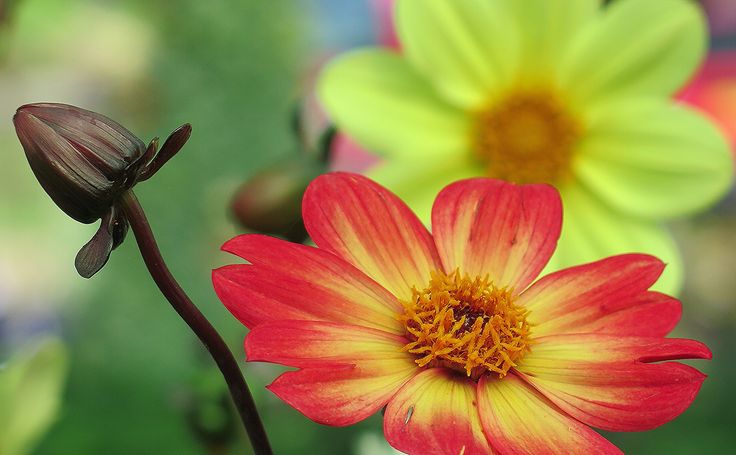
[381, 101]
[592, 231]
[654, 159]
[547, 29]
[467, 48]
[637, 47]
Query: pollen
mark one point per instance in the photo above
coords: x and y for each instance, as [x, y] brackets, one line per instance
[526, 137]
[466, 324]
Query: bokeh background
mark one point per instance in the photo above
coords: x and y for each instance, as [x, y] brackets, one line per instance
[137, 381]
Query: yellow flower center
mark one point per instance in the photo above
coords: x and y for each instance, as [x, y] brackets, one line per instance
[467, 324]
[527, 137]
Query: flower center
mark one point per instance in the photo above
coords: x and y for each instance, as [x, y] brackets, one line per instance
[469, 325]
[527, 137]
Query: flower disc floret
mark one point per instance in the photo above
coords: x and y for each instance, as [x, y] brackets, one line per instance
[528, 137]
[466, 324]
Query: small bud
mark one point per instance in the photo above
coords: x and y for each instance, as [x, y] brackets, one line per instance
[270, 202]
[83, 160]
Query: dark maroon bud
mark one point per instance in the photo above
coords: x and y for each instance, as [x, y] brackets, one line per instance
[86, 162]
[83, 160]
[270, 201]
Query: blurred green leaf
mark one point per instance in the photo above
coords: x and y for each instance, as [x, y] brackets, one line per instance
[30, 395]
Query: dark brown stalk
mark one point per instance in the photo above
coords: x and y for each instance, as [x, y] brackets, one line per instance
[197, 322]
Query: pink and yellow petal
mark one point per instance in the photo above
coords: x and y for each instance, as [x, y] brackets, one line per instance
[340, 395]
[349, 372]
[607, 60]
[306, 344]
[607, 296]
[388, 107]
[521, 421]
[292, 281]
[468, 49]
[651, 314]
[610, 382]
[371, 228]
[495, 228]
[436, 413]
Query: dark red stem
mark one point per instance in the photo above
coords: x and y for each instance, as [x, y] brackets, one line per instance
[197, 322]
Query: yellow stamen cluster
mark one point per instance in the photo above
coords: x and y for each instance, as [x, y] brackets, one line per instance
[527, 137]
[465, 324]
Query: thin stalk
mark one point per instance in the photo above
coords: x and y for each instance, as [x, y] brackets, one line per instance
[197, 322]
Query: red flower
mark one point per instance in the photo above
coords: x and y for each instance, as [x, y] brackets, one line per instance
[451, 332]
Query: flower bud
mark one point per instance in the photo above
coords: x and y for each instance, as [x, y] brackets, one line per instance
[270, 201]
[83, 160]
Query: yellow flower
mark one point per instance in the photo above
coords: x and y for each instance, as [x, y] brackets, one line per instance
[561, 92]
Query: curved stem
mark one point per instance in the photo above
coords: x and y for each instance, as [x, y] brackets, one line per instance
[197, 322]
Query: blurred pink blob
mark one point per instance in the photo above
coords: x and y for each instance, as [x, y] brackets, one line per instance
[384, 12]
[713, 91]
[348, 156]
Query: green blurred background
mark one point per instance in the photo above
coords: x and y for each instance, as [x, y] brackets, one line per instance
[138, 382]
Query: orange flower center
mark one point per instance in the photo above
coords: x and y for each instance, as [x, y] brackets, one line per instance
[527, 137]
[467, 324]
